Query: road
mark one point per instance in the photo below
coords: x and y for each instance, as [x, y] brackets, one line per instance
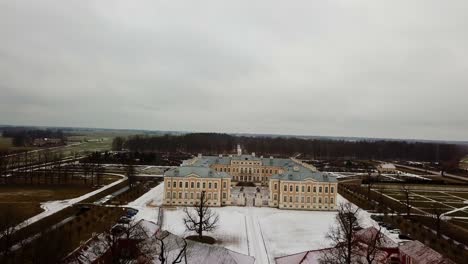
[448, 175]
[256, 243]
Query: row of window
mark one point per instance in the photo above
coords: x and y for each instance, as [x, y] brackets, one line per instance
[303, 188]
[247, 170]
[246, 162]
[186, 195]
[250, 178]
[192, 184]
[305, 199]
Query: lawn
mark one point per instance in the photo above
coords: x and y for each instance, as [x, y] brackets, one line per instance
[26, 199]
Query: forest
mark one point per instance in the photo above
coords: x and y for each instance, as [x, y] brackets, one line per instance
[25, 137]
[215, 143]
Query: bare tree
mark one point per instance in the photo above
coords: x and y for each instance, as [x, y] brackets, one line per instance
[343, 236]
[406, 190]
[201, 218]
[130, 172]
[170, 249]
[437, 215]
[371, 246]
[9, 219]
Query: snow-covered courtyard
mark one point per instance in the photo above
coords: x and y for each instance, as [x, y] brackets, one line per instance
[264, 233]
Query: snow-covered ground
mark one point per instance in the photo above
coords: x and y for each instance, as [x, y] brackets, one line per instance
[264, 233]
[148, 204]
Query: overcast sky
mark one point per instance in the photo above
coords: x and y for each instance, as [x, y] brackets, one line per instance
[371, 68]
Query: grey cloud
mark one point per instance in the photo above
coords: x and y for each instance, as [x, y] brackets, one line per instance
[343, 68]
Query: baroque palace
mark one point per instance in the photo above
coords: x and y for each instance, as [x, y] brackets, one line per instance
[289, 183]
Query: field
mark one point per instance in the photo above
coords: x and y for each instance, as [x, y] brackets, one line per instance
[453, 203]
[26, 199]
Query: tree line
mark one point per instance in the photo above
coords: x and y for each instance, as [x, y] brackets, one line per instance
[25, 137]
[214, 143]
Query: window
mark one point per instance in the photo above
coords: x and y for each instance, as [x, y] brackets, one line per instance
[191, 195]
[192, 184]
[308, 199]
[290, 188]
[285, 188]
[276, 185]
[209, 185]
[174, 195]
[308, 188]
[302, 199]
[320, 189]
[315, 200]
[198, 195]
[315, 189]
[224, 195]
[275, 197]
[290, 199]
[198, 185]
[320, 200]
[326, 200]
[174, 185]
[186, 184]
[168, 195]
[297, 199]
[285, 198]
[209, 196]
[331, 200]
[180, 195]
[332, 189]
[215, 196]
[216, 185]
[297, 188]
[303, 188]
[180, 184]
[326, 189]
[204, 185]
[224, 184]
[186, 195]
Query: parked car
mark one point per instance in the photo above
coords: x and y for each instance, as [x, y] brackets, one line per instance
[405, 237]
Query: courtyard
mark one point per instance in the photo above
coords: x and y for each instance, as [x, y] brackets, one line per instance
[262, 232]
